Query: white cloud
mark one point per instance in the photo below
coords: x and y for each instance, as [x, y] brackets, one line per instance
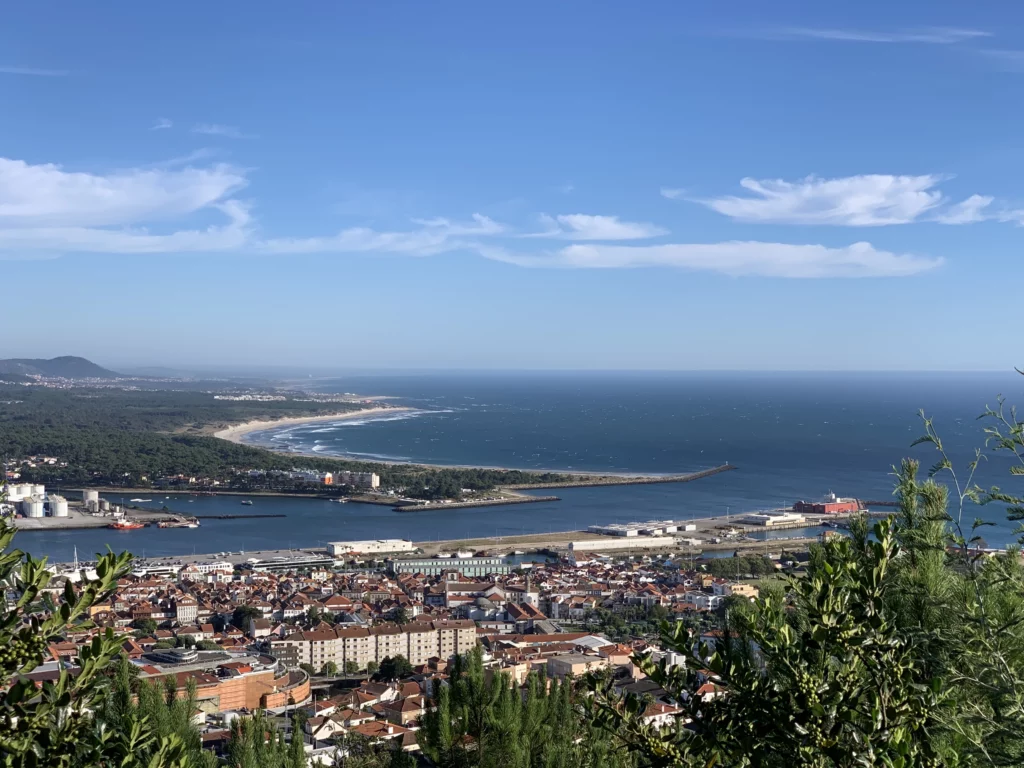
[857, 201]
[137, 240]
[581, 226]
[672, 193]
[162, 123]
[433, 236]
[46, 210]
[970, 211]
[929, 35]
[33, 72]
[731, 258]
[215, 129]
[48, 195]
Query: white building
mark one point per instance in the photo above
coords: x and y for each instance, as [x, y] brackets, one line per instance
[632, 542]
[769, 519]
[357, 479]
[372, 546]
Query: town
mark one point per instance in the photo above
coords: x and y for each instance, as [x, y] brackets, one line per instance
[360, 645]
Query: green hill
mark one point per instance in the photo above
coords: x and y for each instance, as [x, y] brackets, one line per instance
[67, 367]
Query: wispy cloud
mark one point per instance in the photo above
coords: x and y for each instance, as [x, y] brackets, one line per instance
[581, 226]
[870, 200]
[46, 210]
[926, 35]
[672, 193]
[32, 71]
[970, 211]
[215, 129]
[567, 189]
[162, 123]
[1005, 60]
[48, 195]
[195, 156]
[730, 258]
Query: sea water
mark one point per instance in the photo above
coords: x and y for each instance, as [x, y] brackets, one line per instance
[792, 436]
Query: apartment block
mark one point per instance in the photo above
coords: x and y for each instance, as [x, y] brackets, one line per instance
[418, 642]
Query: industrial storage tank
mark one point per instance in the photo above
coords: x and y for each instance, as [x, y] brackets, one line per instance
[58, 506]
[38, 490]
[104, 505]
[89, 495]
[32, 507]
[19, 492]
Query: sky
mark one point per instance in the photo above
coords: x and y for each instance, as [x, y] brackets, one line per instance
[571, 185]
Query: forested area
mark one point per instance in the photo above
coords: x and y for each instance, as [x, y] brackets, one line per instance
[129, 439]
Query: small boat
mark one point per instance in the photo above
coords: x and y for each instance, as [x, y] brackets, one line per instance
[140, 501]
[247, 503]
[518, 552]
[125, 525]
[340, 501]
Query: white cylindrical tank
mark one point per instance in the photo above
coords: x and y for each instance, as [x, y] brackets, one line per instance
[20, 491]
[92, 506]
[38, 490]
[104, 505]
[32, 507]
[58, 506]
[90, 495]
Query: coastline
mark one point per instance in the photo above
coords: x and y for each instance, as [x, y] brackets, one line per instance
[573, 478]
[236, 432]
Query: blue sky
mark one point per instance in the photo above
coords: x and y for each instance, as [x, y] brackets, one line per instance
[657, 185]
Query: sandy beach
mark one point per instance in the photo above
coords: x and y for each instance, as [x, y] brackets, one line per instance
[236, 432]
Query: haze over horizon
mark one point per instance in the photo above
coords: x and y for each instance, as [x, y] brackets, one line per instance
[410, 187]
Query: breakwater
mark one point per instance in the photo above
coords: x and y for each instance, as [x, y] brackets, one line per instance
[601, 480]
[233, 517]
[413, 507]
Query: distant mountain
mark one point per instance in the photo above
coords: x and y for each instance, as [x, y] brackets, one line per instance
[67, 367]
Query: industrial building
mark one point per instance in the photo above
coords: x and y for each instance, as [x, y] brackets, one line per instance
[631, 542]
[771, 519]
[829, 505]
[649, 528]
[374, 546]
[467, 566]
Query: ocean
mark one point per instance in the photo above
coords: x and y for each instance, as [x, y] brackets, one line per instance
[792, 436]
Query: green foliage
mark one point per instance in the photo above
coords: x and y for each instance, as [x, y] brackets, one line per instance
[484, 720]
[207, 645]
[352, 667]
[330, 669]
[740, 566]
[55, 725]
[394, 668]
[158, 703]
[242, 614]
[844, 687]
[145, 627]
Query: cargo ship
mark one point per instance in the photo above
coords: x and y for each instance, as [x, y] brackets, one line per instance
[125, 525]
